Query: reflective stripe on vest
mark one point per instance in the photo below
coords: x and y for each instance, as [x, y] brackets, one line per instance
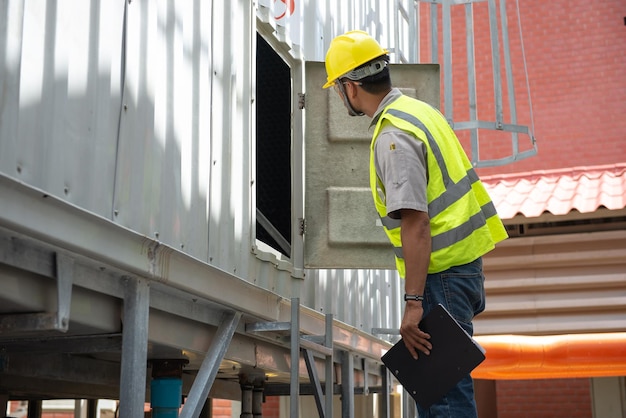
[462, 231]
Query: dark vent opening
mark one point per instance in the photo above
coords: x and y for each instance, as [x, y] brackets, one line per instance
[567, 226]
[273, 148]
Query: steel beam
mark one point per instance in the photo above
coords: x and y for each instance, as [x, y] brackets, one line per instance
[28, 211]
[19, 324]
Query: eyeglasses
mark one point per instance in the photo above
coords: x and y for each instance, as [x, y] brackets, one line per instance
[338, 86]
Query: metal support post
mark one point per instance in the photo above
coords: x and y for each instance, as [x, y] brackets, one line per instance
[347, 385]
[295, 359]
[92, 408]
[366, 384]
[4, 399]
[257, 402]
[4, 402]
[329, 379]
[307, 344]
[246, 401]
[134, 348]
[166, 387]
[210, 365]
[34, 409]
[315, 381]
[386, 392]
[409, 410]
[80, 408]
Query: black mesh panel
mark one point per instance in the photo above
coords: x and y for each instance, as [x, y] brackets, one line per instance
[273, 107]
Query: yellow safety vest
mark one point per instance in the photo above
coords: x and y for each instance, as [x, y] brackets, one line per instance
[464, 223]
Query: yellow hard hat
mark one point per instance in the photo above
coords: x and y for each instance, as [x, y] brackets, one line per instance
[350, 51]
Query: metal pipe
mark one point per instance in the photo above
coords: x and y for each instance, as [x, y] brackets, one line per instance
[257, 402]
[166, 387]
[165, 396]
[246, 402]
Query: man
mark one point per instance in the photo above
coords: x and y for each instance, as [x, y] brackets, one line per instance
[434, 209]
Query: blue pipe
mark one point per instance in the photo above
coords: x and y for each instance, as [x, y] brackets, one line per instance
[166, 394]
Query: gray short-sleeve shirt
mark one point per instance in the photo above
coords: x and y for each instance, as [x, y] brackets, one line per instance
[400, 161]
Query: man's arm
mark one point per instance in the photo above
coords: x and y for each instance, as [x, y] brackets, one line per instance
[416, 248]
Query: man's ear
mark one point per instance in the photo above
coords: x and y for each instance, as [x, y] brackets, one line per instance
[353, 89]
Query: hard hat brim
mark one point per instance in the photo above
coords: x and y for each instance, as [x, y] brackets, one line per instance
[328, 84]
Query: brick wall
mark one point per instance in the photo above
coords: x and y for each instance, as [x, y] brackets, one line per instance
[567, 398]
[271, 407]
[222, 408]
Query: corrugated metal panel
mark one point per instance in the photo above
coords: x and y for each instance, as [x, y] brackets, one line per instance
[142, 117]
[556, 285]
[365, 299]
[142, 112]
[187, 133]
[60, 94]
[324, 20]
[307, 27]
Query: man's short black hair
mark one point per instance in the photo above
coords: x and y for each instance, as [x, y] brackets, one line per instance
[377, 83]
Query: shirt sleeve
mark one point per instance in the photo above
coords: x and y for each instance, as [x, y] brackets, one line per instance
[400, 161]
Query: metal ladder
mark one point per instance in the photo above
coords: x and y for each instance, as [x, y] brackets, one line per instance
[408, 11]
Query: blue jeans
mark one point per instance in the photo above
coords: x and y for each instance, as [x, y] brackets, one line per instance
[461, 290]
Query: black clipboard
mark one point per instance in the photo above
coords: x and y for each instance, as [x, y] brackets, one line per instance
[430, 377]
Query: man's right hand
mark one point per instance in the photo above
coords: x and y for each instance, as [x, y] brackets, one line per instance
[414, 338]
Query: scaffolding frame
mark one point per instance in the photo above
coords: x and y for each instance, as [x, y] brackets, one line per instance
[48, 349]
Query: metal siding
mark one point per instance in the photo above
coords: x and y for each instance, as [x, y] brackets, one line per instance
[61, 96]
[323, 20]
[184, 155]
[163, 155]
[365, 299]
[558, 284]
[154, 129]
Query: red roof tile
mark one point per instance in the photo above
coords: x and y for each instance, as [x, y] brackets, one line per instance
[583, 189]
